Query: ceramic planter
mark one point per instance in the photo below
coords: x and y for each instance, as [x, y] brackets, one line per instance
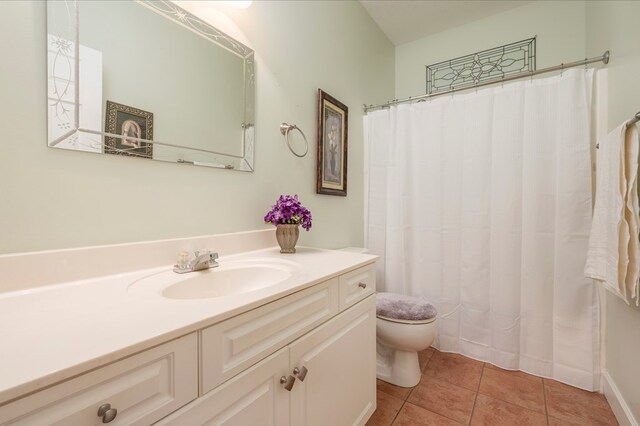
[287, 236]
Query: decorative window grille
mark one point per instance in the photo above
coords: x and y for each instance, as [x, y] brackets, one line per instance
[488, 64]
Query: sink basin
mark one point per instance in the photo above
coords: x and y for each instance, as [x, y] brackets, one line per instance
[231, 277]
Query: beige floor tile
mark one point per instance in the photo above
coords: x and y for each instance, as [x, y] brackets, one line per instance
[455, 369]
[424, 357]
[444, 398]
[446, 395]
[575, 406]
[394, 390]
[577, 422]
[551, 382]
[492, 412]
[506, 387]
[412, 415]
[386, 410]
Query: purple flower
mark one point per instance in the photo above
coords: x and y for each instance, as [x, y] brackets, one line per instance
[288, 209]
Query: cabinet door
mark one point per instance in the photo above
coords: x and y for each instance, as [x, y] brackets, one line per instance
[253, 397]
[340, 359]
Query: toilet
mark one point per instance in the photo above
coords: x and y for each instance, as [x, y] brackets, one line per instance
[405, 325]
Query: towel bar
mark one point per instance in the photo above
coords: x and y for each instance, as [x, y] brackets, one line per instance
[631, 122]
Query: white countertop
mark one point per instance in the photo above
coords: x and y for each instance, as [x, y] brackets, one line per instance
[51, 333]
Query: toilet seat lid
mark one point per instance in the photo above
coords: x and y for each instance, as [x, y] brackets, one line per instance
[403, 308]
[409, 322]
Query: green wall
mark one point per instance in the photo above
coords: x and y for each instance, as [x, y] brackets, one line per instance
[55, 198]
[558, 25]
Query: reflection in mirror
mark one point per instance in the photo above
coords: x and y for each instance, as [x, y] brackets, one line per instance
[148, 79]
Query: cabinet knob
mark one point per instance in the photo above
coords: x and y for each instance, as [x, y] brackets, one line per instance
[301, 373]
[107, 413]
[362, 285]
[288, 382]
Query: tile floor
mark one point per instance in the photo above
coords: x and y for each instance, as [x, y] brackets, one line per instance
[456, 390]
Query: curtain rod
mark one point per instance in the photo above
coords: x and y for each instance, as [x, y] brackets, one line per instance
[604, 58]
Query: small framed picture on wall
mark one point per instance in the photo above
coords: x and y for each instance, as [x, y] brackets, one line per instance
[134, 126]
[333, 118]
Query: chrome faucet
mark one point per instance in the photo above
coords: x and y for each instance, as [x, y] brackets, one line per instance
[202, 260]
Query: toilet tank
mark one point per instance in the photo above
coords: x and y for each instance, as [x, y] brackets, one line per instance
[355, 249]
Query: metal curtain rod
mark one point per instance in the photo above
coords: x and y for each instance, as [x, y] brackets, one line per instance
[604, 58]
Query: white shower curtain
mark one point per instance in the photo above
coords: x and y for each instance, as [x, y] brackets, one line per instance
[482, 203]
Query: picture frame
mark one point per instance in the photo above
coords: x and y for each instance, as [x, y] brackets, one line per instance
[333, 120]
[134, 125]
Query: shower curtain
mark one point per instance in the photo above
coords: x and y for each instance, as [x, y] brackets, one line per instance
[481, 202]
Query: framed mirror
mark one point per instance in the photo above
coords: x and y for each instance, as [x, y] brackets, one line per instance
[148, 79]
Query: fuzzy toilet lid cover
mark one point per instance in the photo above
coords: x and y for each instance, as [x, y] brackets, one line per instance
[401, 307]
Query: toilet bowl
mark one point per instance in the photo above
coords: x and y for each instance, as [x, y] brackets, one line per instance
[405, 325]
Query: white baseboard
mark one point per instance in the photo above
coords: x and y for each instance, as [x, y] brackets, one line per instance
[616, 401]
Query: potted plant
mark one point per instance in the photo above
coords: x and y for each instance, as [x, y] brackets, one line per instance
[287, 214]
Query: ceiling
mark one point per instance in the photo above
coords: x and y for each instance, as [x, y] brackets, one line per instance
[407, 20]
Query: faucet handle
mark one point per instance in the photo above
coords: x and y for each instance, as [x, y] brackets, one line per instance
[212, 259]
[183, 260]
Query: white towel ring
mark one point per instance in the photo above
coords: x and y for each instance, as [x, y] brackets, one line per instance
[285, 129]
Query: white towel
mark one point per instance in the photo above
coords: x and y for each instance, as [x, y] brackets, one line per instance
[614, 247]
[632, 146]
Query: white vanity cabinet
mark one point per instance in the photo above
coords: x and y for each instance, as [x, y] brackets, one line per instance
[305, 359]
[340, 362]
[332, 366]
[338, 386]
[233, 345]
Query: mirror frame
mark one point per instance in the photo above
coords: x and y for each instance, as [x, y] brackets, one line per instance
[189, 21]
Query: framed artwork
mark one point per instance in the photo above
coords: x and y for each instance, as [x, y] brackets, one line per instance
[333, 119]
[134, 126]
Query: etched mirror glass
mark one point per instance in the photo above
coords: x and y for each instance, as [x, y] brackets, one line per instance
[148, 79]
